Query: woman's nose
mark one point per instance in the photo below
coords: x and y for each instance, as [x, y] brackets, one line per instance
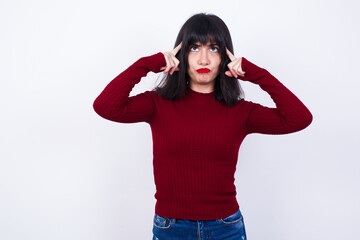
[204, 57]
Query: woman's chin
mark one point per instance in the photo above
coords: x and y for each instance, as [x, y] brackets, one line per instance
[204, 81]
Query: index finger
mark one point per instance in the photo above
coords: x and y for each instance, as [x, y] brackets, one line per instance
[230, 55]
[175, 50]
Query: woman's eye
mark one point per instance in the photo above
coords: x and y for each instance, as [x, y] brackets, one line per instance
[214, 49]
[193, 49]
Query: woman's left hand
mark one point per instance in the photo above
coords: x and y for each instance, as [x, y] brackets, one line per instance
[234, 66]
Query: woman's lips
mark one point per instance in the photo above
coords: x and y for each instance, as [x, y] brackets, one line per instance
[203, 70]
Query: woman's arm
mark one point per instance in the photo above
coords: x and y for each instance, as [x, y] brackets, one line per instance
[290, 114]
[114, 102]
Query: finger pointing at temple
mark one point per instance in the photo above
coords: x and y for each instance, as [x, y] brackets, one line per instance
[230, 55]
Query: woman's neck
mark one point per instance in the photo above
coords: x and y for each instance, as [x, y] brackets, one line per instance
[208, 88]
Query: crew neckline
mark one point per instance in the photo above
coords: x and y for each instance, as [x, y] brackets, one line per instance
[200, 93]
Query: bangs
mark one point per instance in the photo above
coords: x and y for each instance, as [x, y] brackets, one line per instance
[203, 38]
[203, 31]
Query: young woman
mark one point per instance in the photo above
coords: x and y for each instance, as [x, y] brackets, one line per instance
[198, 120]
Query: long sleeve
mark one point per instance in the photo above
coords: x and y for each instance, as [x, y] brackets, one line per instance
[114, 102]
[290, 114]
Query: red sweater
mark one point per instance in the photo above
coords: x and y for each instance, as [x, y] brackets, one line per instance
[196, 139]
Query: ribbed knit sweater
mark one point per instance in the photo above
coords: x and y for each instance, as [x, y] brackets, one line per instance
[196, 139]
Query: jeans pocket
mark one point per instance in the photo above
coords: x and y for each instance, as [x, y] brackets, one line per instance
[163, 223]
[232, 219]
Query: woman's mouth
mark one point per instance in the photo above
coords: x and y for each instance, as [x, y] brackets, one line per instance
[203, 70]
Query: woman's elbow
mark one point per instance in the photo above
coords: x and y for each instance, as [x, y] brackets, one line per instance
[100, 109]
[298, 123]
[304, 121]
[309, 119]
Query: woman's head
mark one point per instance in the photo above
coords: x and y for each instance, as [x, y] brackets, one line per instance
[202, 29]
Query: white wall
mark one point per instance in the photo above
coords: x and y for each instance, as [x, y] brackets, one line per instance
[66, 173]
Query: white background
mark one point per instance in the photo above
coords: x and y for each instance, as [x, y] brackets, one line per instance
[66, 173]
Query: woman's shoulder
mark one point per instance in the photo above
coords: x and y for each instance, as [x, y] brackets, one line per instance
[245, 105]
[154, 96]
[157, 96]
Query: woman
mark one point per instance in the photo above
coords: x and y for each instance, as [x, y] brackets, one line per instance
[198, 121]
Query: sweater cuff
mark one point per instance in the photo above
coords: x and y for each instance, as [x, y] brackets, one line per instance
[154, 62]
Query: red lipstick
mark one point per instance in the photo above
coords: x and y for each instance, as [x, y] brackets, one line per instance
[203, 70]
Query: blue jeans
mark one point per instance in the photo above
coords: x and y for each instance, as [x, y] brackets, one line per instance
[228, 228]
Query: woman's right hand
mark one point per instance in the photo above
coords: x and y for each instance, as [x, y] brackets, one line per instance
[172, 62]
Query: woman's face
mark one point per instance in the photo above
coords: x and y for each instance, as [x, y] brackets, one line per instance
[203, 63]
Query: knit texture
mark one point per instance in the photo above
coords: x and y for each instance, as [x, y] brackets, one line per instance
[196, 139]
